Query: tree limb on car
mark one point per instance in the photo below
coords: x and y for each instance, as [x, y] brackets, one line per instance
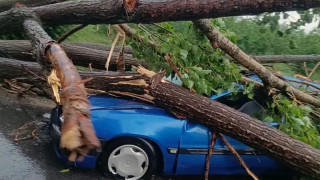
[268, 78]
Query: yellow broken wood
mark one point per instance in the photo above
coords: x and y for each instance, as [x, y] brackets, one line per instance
[54, 81]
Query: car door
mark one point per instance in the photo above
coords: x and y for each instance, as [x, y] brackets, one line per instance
[194, 144]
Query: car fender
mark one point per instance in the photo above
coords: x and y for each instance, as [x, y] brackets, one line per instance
[154, 125]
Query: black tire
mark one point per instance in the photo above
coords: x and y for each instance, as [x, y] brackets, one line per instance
[102, 163]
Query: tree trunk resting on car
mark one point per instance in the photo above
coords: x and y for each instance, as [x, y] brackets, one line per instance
[77, 135]
[268, 78]
[149, 87]
[217, 117]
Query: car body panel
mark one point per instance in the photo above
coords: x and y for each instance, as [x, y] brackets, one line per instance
[88, 162]
[137, 119]
[195, 142]
[228, 165]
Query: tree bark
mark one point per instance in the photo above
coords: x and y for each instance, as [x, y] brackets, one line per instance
[8, 4]
[70, 32]
[169, 10]
[31, 72]
[78, 52]
[78, 134]
[145, 11]
[11, 68]
[268, 78]
[285, 58]
[212, 114]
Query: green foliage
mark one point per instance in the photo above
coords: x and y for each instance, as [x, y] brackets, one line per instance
[257, 38]
[264, 36]
[248, 90]
[294, 120]
[204, 69]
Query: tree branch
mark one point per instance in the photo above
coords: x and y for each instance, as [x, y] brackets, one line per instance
[70, 32]
[238, 157]
[241, 57]
[81, 54]
[210, 151]
[285, 58]
[8, 4]
[146, 11]
[314, 69]
[78, 134]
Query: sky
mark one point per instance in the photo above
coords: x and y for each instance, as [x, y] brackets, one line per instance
[294, 16]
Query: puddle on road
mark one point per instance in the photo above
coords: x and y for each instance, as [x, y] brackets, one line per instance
[14, 165]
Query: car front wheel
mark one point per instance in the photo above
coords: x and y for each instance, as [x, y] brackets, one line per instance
[129, 159]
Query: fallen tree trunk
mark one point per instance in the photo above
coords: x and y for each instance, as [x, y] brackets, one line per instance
[151, 11]
[221, 118]
[212, 114]
[21, 49]
[32, 73]
[80, 55]
[77, 133]
[268, 78]
[11, 68]
[145, 11]
[285, 58]
[8, 4]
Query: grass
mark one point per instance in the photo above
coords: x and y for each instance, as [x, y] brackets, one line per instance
[292, 69]
[93, 34]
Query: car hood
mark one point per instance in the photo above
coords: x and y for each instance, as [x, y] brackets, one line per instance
[109, 103]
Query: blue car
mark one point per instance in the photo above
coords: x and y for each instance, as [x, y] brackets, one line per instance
[139, 140]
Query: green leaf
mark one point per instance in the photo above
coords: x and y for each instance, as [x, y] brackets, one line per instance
[165, 48]
[190, 84]
[65, 170]
[250, 95]
[268, 119]
[298, 121]
[306, 121]
[183, 54]
[195, 51]
[205, 72]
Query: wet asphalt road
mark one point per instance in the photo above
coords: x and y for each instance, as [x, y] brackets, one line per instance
[34, 159]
